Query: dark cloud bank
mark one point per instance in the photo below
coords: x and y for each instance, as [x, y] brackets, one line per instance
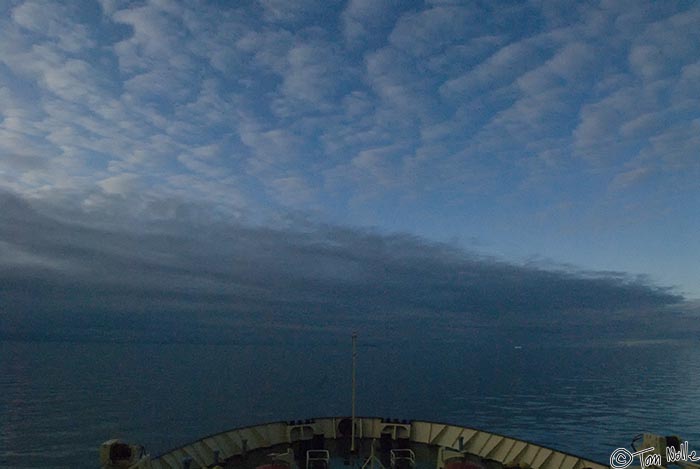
[74, 278]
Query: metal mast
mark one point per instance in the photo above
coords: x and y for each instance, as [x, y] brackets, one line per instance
[354, 359]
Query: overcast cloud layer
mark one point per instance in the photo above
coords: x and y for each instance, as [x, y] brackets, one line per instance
[64, 278]
[181, 160]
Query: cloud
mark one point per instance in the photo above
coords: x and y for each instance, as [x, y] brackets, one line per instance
[378, 165]
[312, 79]
[629, 178]
[75, 270]
[647, 61]
[122, 184]
[268, 48]
[53, 21]
[290, 11]
[370, 112]
[291, 190]
[362, 20]
[132, 88]
[273, 149]
[500, 68]
[569, 66]
[405, 94]
[431, 30]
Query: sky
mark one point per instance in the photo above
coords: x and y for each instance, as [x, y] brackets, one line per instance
[326, 165]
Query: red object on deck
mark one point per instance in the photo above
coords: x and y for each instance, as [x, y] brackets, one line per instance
[463, 465]
[276, 465]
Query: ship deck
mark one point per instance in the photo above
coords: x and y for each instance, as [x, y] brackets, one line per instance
[379, 443]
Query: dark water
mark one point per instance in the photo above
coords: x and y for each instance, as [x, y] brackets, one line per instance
[58, 401]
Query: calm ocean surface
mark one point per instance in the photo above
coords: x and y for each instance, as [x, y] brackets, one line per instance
[59, 401]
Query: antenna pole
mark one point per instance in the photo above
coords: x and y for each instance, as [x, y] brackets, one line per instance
[354, 359]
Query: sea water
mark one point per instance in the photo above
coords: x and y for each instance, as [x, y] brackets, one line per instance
[59, 401]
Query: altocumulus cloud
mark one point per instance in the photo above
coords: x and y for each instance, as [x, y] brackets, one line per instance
[73, 275]
[406, 115]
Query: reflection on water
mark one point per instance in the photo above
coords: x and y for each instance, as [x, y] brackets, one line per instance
[59, 401]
